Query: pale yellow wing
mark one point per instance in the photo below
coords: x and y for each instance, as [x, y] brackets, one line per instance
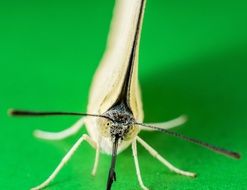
[110, 75]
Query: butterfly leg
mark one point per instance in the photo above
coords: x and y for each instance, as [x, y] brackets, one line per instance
[138, 172]
[96, 161]
[155, 154]
[65, 160]
[168, 124]
[62, 134]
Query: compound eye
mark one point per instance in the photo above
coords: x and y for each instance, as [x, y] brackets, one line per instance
[131, 132]
[104, 127]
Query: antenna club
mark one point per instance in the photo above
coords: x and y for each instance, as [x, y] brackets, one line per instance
[11, 112]
[237, 155]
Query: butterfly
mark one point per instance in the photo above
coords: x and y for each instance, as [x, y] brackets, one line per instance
[114, 115]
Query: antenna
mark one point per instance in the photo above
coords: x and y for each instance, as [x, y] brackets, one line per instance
[20, 113]
[195, 141]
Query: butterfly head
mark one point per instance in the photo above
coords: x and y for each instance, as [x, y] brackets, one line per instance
[120, 125]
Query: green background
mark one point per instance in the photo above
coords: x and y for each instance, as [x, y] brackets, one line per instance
[193, 60]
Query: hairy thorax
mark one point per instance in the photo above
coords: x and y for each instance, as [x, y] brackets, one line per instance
[120, 126]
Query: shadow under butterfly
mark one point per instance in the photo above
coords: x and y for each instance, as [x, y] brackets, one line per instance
[114, 115]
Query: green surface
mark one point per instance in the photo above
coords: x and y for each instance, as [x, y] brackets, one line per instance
[193, 60]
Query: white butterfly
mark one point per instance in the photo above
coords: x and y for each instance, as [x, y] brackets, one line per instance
[115, 113]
